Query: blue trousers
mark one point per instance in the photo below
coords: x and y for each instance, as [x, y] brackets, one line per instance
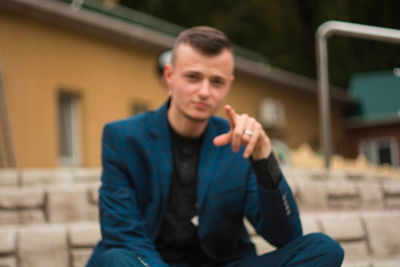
[310, 250]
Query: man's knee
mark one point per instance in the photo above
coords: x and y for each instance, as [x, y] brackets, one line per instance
[330, 250]
[117, 257]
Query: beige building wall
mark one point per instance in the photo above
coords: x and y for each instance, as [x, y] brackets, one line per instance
[40, 59]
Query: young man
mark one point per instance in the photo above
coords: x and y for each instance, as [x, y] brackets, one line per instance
[178, 181]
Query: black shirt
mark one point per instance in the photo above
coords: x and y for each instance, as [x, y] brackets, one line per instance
[178, 239]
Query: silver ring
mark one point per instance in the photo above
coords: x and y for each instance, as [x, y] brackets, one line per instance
[248, 132]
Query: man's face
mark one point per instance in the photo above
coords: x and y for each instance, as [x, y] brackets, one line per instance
[198, 83]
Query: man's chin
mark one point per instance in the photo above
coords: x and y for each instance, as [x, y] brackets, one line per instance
[197, 118]
[195, 115]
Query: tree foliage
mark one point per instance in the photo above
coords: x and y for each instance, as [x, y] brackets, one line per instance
[284, 30]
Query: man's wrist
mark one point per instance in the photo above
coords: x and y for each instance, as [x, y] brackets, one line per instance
[267, 171]
[262, 153]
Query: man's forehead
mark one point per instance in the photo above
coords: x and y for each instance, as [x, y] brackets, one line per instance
[186, 48]
[191, 59]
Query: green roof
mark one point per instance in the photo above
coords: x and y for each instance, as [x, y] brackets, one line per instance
[378, 94]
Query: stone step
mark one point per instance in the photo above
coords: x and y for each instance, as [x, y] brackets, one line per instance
[393, 262]
[48, 245]
[37, 176]
[10, 177]
[361, 233]
[61, 203]
[318, 190]
[49, 217]
[368, 238]
[75, 198]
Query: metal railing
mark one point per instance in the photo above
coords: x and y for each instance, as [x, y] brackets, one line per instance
[322, 34]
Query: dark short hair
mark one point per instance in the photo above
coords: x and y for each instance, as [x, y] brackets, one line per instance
[204, 39]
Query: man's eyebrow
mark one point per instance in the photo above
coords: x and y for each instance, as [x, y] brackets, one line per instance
[220, 77]
[192, 72]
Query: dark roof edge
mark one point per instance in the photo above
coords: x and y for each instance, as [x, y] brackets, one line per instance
[109, 27]
[85, 20]
[356, 123]
[297, 81]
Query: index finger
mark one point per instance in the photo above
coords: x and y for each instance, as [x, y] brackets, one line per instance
[231, 114]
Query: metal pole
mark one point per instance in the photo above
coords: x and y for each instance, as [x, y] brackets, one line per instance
[9, 148]
[323, 97]
[324, 31]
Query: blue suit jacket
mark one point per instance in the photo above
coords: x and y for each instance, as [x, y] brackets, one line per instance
[136, 178]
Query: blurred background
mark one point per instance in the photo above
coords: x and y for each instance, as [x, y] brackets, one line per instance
[67, 67]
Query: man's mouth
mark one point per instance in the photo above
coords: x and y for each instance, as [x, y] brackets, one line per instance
[201, 105]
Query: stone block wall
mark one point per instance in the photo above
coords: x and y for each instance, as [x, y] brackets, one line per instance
[49, 245]
[50, 217]
[320, 190]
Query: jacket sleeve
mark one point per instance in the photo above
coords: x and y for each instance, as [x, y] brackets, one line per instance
[273, 213]
[122, 224]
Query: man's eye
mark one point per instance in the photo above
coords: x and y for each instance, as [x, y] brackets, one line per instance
[218, 82]
[192, 77]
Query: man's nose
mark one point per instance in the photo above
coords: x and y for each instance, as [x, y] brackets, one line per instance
[205, 88]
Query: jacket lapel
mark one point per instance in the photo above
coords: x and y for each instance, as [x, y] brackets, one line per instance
[161, 151]
[209, 158]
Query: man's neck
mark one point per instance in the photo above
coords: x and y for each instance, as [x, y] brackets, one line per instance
[185, 126]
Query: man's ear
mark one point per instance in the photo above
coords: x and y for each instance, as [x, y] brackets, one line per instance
[168, 69]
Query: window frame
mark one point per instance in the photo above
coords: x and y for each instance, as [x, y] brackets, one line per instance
[74, 128]
[373, 145]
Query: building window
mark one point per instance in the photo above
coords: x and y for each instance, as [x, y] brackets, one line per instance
[69, 128]
[272, 113]
[380, 150]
